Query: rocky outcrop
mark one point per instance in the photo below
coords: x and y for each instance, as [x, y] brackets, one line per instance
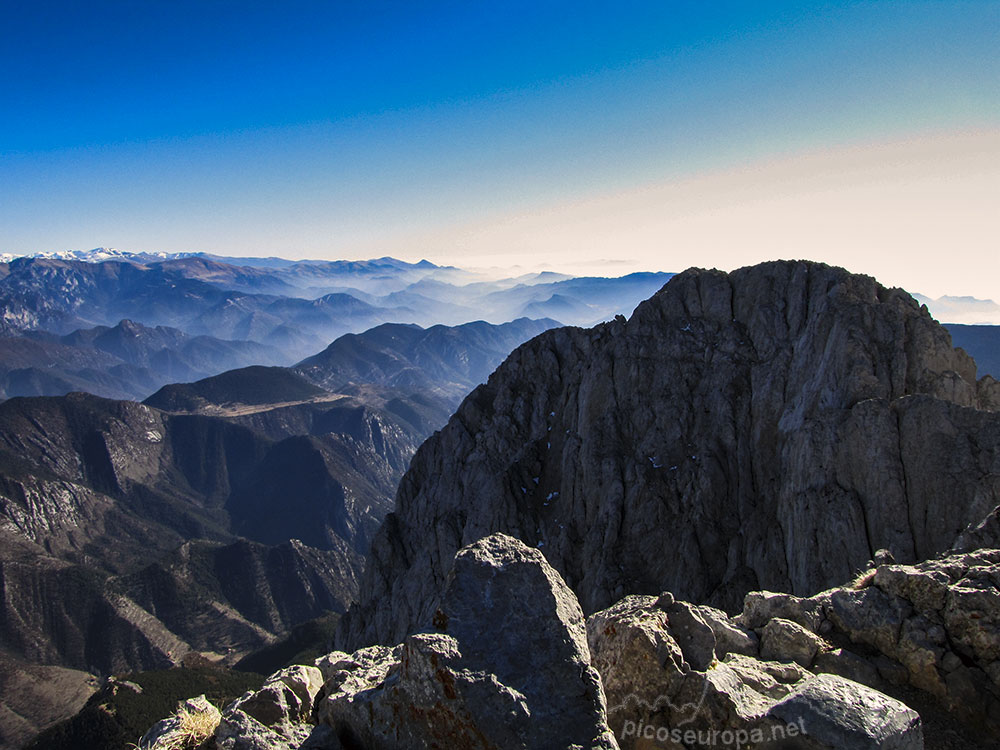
[663, 691]
[985, 534]
[784, 639]
[509, 662]
[941, 621]
[934, 626]
[276, 717]
[837, 714]
[770, 428]
[507, 667]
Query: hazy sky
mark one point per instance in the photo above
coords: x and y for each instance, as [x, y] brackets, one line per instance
[656, 135]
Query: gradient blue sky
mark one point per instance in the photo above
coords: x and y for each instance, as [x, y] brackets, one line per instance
[658, 134]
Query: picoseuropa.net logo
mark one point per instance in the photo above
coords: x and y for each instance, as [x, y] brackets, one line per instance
[736, 738]
[622, 716]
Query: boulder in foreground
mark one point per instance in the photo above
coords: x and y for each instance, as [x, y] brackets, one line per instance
[507, 666]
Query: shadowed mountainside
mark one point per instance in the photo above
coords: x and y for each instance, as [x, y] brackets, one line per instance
[128, 360]
[982, 342]
[447, 361]
[133, 535]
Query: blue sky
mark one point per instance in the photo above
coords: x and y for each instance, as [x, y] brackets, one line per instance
[350, 129]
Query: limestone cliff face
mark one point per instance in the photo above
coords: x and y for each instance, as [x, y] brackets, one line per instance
[768, 428]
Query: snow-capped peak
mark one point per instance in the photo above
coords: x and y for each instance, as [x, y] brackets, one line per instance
[98, 255]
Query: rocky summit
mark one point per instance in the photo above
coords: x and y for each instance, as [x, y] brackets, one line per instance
[770, 428]
[508, 661]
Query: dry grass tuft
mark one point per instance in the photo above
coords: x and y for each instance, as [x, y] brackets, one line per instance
[196, 727]
[193, 729]
[864, 579]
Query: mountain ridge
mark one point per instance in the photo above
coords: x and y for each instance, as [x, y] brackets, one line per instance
[296, 308]
[127, 360]
[776, 388]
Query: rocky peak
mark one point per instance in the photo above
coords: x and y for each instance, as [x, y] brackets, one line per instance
[768, 428]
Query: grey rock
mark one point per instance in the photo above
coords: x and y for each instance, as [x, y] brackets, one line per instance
[971, 614]
[883, 557]
[870, 616]
[304, 681]
[508, 667]
[277, 716]
[938, 606]
[985, 533]
[934, 625]
[642, 667]
[692, 633]
[664, 600]
[320, 737]
[784, 640]
[430, 700]
[844, 663]
[730, 638]
[832, 713]
[891, 670]
[240, 731]
[926, 589]
[274, 704]
[920, 653]
[950, 662]
[649, 682]
[759, 607]
[330, 663]
[655, 696]
[773, 679]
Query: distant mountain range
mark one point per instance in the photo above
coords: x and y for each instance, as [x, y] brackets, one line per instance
[97, 255]
[964, 310]
[128, 360]
[446, 361]
[195, 315]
